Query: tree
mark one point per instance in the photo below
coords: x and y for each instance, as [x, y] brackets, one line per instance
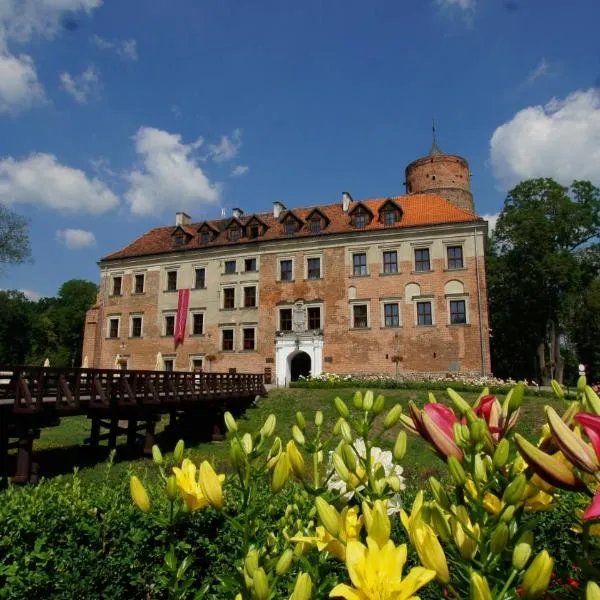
[543, 256]
[16, 327]
[14, 237]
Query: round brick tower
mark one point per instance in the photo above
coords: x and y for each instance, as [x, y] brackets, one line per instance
[446, 175]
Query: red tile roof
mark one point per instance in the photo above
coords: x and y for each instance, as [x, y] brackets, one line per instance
[417, 210]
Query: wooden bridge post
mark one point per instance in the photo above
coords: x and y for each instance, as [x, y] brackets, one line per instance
[3, 446]
[149, 436]
[218, 429]
[24, 456]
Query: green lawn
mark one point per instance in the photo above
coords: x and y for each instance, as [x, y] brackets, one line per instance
[60, 449]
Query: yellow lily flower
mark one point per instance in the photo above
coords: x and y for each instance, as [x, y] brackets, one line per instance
[191, 491]
[466, 541]
[376, 573]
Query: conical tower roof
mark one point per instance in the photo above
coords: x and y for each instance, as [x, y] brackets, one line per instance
[435, 150]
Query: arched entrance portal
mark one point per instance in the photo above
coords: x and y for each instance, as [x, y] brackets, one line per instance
[300, 365]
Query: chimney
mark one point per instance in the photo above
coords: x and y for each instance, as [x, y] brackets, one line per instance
[346, 199]
[237, 212]
[278, 208]
[182, 218]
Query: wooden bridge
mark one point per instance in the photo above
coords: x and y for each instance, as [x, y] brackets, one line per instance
[116, 401]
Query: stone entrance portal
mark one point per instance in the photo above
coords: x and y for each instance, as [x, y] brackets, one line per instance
[299, 366]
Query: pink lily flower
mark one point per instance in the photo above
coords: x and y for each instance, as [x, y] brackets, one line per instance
[499, 424]
[591, 426]
[434, 424]
[593, 510]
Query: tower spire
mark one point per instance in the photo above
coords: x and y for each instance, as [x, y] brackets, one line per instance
[435, 149]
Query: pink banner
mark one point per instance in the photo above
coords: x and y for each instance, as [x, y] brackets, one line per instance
[182, 307]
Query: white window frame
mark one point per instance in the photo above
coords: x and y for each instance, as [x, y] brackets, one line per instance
[245, 258]
[431, 300]
[279, 309]
[197, 268]
[163, 326]
[110, 318]
[166, 279]
[243, 298]
[465, 298]
[306, 259]
[279, 261]
[383, 252]
[353, 253]
[414, 257]
[112, 284]
[382, 303]
[354, 303]
[136, 316]
[235, 264]
[248, 326]
[320, 306]
[134, 277]
[194, 357]
[221, 330]
[451, 244]
[170, 357]
[193, 312]
[235, 297]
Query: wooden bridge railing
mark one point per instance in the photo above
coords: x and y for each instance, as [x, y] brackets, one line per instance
[35, 397]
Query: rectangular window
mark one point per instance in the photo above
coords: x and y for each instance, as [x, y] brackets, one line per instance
[315, 226]
[249, 338]
[390, 261]
[171, 281]
[424, 313]
[359, 263]
[113, 327]
[290, 226]
[455, 257]
[254, 231]
[235, 233]
[286, 270]
[227, 340]
[250, 296]
[204, 238]
[458, 312]
[169, 364]
[230, 266]
[360, 316]
[285, 319]
[197, 363]
[136, 327]
[139, 283]
[200, 278]
[313, 267]
[198, 323]
[117, 284]
[250, 265]
[391, 314]
[314, 317]
[422, 262]
[169, 324]
[228, 297]
[390, 216]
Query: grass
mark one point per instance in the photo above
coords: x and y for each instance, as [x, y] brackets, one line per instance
[60, 449]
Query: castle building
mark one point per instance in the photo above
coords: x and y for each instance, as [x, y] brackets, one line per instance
[389, 285]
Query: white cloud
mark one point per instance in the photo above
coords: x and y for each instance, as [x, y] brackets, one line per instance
[176, 111]
[541, 70]
[560, 139]
[83, 86]
[41, 180]
[240, 170]
[74, 239]
[492, 219]
[21, 20]
[169, 176]
[465, 7]
[126, 49]
[227, 148]
[19, 85]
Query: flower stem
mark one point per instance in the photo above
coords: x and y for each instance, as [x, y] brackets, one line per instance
[507, 585]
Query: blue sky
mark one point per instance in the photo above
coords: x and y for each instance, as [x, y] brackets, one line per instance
[114, 114]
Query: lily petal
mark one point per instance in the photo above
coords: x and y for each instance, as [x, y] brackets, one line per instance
[593, 510]
[443, 416]
[591, 425]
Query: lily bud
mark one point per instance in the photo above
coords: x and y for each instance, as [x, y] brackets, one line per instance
[392, 417]
[394, 482]
[592, 591]
[456, 471]
[377, 523]
[251, 562]
[592, 399]
[515, 490]
[368, 400]
[303, 588]
[139, 495]
[357, 400]
[300, 420]
[480, 590]
[557, 389]
[178, 452]
[430, 551]
[379, 404]
[499, 538]
[477, 430]
[501, 453]
[522, 550]
[230, 422]
[340, 467]
[537, 577]
[572, 446]
[479, 469]
[284, 562]
[268, 429]
[349, 458]
[236, 455]
[581, 383]
[431, 398]
[210, 485]
[439, 523]
[508, 514]
[329, 517]
[516, 398]
[341, 407]
[157, 456]
[461, 404]
[457, 432]
[338, 426]
[172, 488]
[296, 460]
[439, 493]
[298, 435]
[318, 418]
[400, 445]
[346, 432]
[281, 472]
[247, 444]
[261, 584]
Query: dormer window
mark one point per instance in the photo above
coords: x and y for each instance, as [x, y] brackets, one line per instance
[204, 238]
[390, 216]
[254, 231]
[179, 240]
[315, 225]
[290, 226]
[361, 217]
[235, 233]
